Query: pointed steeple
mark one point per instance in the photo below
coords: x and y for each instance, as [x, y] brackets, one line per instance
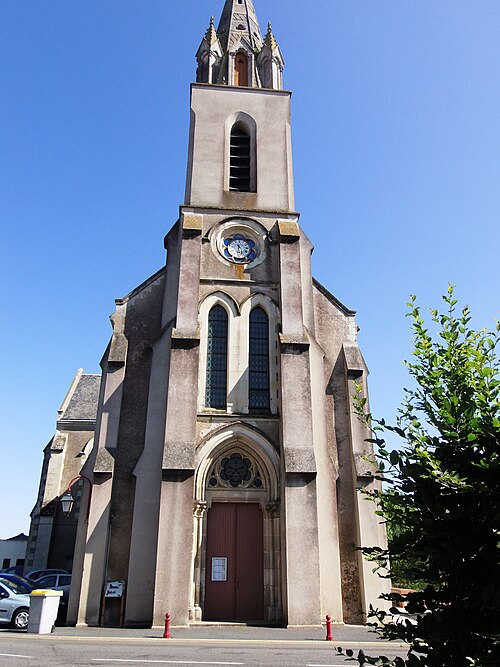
[239, 20]
[211, 35]
[270, 62]
[208, 56]
[269, 39]
[235, 54]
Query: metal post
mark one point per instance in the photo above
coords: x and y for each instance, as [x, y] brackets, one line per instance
[329, 636]
[166, 634]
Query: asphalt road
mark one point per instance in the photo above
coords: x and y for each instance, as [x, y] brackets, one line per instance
[31, 650]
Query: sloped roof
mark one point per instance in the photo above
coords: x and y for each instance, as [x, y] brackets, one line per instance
[332, 299]
[21, 537]
[82, 404]
[238, 20]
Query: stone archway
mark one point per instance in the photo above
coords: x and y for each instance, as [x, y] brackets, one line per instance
[238, 466]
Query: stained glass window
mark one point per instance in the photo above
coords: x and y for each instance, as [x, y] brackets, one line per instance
[216, 387]
[236, 471]
[258, 361]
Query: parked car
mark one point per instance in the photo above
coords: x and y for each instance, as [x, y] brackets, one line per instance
[14, 604]
[57, 582]
[37, 574]
[13, 569]
[28, 584]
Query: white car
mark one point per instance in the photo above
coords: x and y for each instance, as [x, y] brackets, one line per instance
[14, 604]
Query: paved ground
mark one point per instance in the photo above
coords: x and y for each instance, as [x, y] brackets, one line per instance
[199, 645]
[230, 631]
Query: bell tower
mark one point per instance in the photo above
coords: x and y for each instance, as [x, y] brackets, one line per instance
[251, 260]
[239, 89]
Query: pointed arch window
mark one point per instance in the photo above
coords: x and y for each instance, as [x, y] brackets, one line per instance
[239, 159]
[241, 67]
[216, 385]
[258, 361]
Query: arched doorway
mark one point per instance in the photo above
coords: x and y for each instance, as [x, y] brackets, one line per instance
[237, 569]
[241, 69]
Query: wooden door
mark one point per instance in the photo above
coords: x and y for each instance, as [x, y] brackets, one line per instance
[241, 70]
[234, 582]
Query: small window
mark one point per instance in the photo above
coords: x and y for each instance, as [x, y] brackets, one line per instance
[6, 563]
[239, 159]
[258, 361]
[216, 387]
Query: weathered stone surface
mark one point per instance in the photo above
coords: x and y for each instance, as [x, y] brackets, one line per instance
[178, 456]
[104, 462]
[289, 231]
[59, 441]
[118, 349]
[353, 358]
[293, 343]
[299, 459]
[365, 464]
[192, 225]
[212, 110]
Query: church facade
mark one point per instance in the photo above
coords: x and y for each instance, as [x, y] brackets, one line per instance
[227, 459]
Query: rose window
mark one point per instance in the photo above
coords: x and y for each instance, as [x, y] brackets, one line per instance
[235, 471]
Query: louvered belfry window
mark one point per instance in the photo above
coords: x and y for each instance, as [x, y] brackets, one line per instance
[216, 387]
[239, 159]
[258, 360]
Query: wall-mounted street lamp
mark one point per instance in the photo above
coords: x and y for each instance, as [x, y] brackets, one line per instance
[67, 500]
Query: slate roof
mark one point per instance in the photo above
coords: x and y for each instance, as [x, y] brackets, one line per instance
[20, 537]
[235, 15]
[82, 405]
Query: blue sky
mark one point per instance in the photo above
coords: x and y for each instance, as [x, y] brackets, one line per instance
[396, 137]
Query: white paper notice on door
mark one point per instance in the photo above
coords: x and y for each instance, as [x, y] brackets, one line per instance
[219, 569]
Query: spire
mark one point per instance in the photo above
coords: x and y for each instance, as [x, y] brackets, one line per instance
[269, 39]
[208, 55]
[270, 62]
[239, 21]
[211, 35]
[235, 54]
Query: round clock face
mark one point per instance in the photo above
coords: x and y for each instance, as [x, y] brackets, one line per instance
[239, 249]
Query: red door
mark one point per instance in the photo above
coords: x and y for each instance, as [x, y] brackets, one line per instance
[234, 583]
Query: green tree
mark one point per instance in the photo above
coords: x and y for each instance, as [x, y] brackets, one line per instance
[441, 495]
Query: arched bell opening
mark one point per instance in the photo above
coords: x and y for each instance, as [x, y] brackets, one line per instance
[241, 69]
[237, 550]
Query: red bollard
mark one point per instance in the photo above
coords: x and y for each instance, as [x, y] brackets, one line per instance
[329, 636]
[166, 634]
